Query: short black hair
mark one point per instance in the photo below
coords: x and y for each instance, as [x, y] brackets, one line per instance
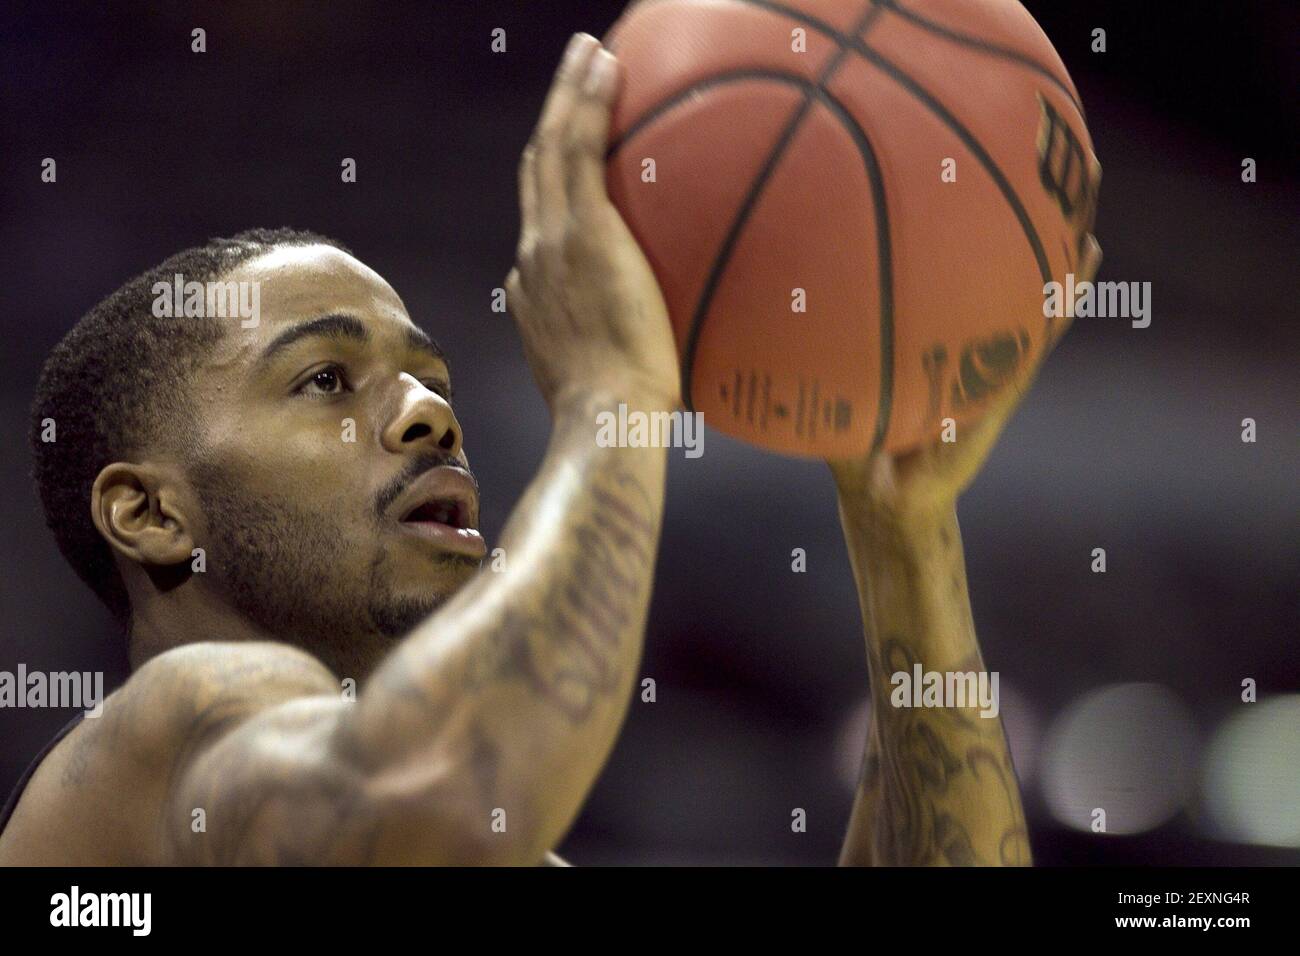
[116, 385]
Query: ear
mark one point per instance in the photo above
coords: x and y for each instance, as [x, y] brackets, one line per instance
[141, 511]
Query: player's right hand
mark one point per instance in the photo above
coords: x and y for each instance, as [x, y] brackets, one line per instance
[926, 481]
[587, 304]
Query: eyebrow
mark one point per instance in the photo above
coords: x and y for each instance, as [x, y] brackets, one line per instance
[418, 340]
[341, 326]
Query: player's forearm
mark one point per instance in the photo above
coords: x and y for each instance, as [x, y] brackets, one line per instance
[510, 698]
[937, 783]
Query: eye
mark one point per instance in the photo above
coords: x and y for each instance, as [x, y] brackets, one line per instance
[439, 388]
[329, 380]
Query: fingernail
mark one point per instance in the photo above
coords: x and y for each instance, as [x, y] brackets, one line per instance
[571, 51]
[600, 74]
[574, 48]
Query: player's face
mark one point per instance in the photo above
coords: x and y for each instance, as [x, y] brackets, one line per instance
[338, 506]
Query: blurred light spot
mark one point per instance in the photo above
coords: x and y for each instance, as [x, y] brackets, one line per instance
[1252, 774]
[1128, 749]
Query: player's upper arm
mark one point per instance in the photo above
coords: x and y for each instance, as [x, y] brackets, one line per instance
[221, 727]
[111, 791]
[267, 768]
[248, 753]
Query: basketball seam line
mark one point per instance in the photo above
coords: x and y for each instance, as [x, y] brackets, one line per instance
[984, 46]
[904, 79]
[981, 154]
[723, 256]
[884, 242]
[895, 72]
[810, 89]
[831, 31]
[900, 77]
[910, 85]
[722, 259]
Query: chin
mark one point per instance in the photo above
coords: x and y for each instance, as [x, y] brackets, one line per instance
[455, 570]
[439, 581]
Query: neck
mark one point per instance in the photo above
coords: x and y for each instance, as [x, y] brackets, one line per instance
[161, 624]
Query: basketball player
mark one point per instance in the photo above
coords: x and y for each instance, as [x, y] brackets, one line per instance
[263, 563]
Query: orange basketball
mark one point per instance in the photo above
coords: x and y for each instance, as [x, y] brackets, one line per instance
[852, 206]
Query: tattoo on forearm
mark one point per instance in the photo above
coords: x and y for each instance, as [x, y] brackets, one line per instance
[567, 642]
[921, 772]
[937, 784]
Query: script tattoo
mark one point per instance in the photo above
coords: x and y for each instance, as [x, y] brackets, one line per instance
[566, 642]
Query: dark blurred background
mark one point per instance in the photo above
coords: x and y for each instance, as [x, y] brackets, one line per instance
[1119, 690]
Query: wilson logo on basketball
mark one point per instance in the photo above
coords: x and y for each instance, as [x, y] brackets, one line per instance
[1066, 171]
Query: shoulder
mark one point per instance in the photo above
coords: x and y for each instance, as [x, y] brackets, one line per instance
[180, 699]
[212, 681]
[99, 791]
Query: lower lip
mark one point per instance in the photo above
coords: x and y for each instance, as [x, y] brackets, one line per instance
[464, 541]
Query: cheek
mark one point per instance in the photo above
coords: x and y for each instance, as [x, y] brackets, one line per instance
[319, 462]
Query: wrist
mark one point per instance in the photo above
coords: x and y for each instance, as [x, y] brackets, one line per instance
[893, 492]
[896, 527]
[888, 507]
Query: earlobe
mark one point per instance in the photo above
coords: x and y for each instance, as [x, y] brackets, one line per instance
[136, 509]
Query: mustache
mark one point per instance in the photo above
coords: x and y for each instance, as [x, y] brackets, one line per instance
[414, 469]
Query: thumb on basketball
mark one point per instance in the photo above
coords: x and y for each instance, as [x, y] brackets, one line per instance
[962, 463]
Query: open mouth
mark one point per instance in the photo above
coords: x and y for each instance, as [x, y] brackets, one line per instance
[446, 511]
[441, 508]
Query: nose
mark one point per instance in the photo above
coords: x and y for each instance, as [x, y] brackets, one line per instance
[423, 422]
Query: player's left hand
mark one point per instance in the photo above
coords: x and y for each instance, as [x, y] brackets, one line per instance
[925, 482]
